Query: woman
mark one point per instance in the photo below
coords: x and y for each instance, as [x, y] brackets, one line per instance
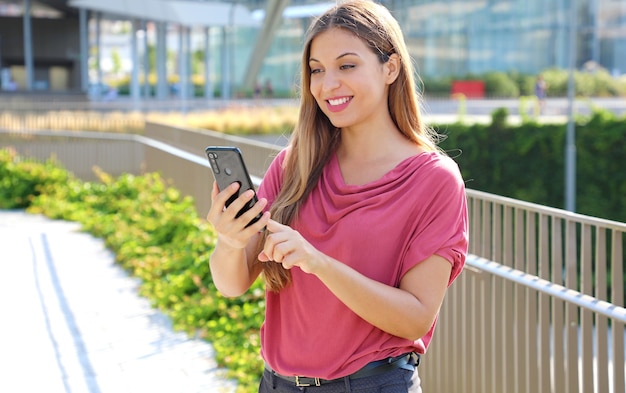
[368, 222]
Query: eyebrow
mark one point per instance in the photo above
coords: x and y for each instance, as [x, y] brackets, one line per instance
[338, 57]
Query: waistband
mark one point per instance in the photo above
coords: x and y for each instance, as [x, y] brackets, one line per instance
[408, 361]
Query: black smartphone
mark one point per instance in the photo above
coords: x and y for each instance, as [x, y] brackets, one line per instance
[228, 167]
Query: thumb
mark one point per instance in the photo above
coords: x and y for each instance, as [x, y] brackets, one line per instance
[262, 257]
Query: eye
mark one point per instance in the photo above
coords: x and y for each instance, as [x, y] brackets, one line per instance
[315, 70]
[347, 66]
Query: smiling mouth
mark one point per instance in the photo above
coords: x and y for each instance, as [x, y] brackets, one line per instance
[339, 101]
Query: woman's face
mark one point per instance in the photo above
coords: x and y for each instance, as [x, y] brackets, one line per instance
[348, 81]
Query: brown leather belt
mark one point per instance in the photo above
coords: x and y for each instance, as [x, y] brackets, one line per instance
[407, 361]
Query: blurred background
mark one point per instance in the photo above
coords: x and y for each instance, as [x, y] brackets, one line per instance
[158, 49]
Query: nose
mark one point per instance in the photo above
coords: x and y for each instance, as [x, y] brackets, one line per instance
[330, 81]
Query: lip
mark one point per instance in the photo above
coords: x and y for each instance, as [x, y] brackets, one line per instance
[340, 103]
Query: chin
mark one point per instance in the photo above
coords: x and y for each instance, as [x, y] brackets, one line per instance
[339, 123]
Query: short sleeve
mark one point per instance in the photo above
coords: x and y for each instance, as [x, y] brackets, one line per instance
[443, 227]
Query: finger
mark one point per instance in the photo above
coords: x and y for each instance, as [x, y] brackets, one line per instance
[218, 200]
[283, 250]
[279, 235]
[215, 208]
[277, 246]
[258, 226]
[242, 201]
[255, 213]
[263, 258]
[275, 226]
[223, 196]
[214, 191]
[277, 257]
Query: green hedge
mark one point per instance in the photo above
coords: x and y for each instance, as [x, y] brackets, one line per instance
[157, 236]
[599, 83]
[527, 161]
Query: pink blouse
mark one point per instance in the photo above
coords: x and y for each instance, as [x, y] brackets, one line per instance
[381, 229]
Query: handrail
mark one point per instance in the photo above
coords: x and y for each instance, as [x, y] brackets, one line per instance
[256, 181]
[155, 144]
[569, 295]
[564, 214]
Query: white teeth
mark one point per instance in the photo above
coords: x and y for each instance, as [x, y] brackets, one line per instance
[339, 101]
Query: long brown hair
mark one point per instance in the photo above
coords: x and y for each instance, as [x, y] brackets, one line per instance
[314, 138]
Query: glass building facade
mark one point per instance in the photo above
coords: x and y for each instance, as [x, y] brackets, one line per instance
[457, 38]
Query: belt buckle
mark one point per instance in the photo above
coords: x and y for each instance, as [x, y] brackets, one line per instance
[316, 381]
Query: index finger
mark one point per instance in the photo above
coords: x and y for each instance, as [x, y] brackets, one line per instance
[275, 226]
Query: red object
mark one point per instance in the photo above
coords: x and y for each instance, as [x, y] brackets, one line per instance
[470, 89]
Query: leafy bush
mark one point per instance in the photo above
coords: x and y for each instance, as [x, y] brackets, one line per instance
[21, 180]
[596, 83]
[607, 86]
[435, 86]
[526, 161]
[524, 82]
[157, 236]
[499, 84]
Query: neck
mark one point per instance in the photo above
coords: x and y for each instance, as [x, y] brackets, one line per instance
[371, 144]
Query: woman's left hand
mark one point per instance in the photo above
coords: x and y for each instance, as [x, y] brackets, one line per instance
[286, 246]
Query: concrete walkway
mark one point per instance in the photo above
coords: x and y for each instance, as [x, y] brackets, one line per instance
[72, 320]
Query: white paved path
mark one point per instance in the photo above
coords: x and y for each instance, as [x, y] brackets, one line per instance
[71, 320]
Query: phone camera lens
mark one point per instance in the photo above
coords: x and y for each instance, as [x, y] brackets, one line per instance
[213, 163]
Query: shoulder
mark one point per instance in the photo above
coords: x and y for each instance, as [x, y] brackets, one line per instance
[435, 165]
[273, 178]
[278, 161]
[438, 176]
[282, 156]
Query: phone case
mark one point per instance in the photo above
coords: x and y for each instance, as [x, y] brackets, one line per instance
[227, 166]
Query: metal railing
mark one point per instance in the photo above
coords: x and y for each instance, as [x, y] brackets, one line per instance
[539, 307]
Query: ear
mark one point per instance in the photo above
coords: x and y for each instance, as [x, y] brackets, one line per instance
[392, 68]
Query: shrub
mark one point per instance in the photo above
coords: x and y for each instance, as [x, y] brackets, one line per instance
[556, 80]
[526, 161]
[525, 83]
[596, 83]
[21, 180]
[499, 84]
[604, 85]
[435, 86]
[157, 236]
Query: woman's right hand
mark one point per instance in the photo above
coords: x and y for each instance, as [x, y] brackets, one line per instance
[230, 230]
